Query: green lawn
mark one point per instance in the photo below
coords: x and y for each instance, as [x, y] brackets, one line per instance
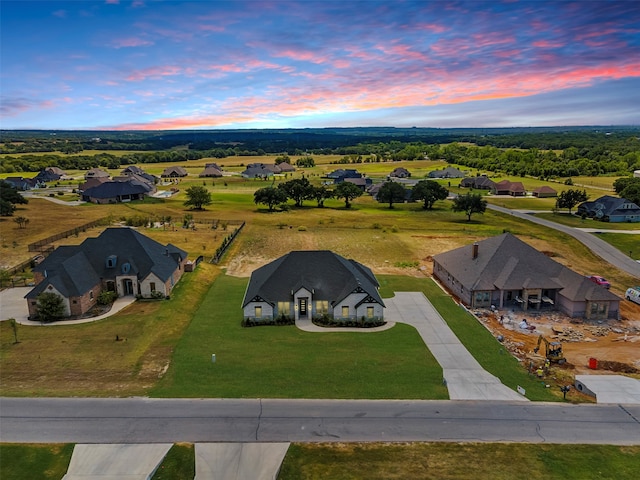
[178, 464]
[449, 461]
[34, 461]
[626, 243]
[284, 362]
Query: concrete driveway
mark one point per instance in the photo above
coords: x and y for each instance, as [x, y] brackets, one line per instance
[463, 375]
[13, 304]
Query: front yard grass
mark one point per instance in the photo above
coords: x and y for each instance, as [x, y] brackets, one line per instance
[42, 461]
[285, 362]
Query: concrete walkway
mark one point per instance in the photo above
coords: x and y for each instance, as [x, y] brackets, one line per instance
[115, 461]
[308, 326]
[239, 461]
[464, 377]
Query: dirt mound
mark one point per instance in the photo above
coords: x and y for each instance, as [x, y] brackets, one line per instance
[617, 367]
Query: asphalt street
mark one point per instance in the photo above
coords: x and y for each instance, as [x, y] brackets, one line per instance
[143, 420]
[598, 246]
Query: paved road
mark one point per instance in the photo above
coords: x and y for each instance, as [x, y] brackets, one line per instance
[142, 420]
[598, 246]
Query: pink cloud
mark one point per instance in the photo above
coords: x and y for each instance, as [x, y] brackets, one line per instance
[547, 44]
[130, 42]
[154, 72]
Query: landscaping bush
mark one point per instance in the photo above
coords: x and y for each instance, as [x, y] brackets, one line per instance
[106, 297]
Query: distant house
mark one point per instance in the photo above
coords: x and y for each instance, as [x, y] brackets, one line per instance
[142, 178]
[506, 272]
[400, 172]
[137, 173]
[362, 182]
[49, 174]
[22, 184]
[340, 174]
[307, 284]
[95, 173]
[636, 173]
[174, 172]
[119, 260]
[611, 209]
[544, 192]
[117, 192]
[92, 182]
[286, 167]
[449, 172]
[505, 187]
[258, 170]
[481, 182]
[374, 189]
[211, 170]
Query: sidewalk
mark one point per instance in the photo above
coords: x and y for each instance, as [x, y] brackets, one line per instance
[463, 375]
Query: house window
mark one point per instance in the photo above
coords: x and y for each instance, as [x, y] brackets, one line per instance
[152, 286]
[34, 303]
[91, 294]
[75, 302]
[322, 307]
[258, 312]
[345, 311]
[284, 308]
[369, 312]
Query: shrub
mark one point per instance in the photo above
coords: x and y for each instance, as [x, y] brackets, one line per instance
[302, 228]
[106, 297]
[157, 295]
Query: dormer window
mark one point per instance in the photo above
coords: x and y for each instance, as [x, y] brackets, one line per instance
[111, 261]
[126, 267]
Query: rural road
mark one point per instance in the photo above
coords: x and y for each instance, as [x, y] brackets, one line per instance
[144, 420]
[598, 246]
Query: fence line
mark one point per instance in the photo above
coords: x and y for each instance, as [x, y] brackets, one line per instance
[40, 244]
[226, 242]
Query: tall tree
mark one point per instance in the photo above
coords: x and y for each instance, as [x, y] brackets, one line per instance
[570, 198]
[9, 198]
[428, 191]
[197, 197]
[269, 196]
[320, 194]
[391, 192]
[298, 190]
[348, 191]
[469, 204]
[50, 307]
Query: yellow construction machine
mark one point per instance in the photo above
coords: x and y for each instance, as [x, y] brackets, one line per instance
[552, 350]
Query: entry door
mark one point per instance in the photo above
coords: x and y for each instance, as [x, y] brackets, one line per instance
[302, 307]
[127, 285]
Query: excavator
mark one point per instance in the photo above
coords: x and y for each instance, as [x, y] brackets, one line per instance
[552, 350]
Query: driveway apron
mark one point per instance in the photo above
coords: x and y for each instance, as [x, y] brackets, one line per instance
[462, 374]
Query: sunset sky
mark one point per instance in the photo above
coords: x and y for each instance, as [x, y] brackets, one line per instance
[146, 64]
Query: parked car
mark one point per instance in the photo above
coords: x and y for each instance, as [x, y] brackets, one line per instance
[600, 281]
[633, 294]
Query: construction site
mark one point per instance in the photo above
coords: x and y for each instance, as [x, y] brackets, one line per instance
[586, 347]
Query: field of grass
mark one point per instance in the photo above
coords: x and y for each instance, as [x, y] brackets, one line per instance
[41, 461]
[448, 461]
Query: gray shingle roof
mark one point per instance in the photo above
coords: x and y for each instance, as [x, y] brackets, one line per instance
[74, 270]
[330, 277]
[507, 263]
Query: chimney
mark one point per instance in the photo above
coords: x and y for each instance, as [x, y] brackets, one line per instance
[475, 251]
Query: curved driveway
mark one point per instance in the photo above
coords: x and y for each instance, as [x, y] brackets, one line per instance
[598, 246]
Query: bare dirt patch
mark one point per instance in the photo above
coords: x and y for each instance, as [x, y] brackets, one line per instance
[615, 344]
